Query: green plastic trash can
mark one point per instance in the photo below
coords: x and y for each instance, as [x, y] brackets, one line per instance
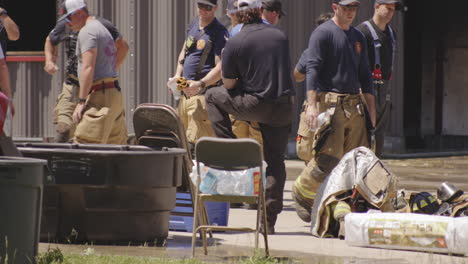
[21, 184]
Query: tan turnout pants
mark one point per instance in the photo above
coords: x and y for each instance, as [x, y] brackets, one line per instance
[347, 130]
[193, 115]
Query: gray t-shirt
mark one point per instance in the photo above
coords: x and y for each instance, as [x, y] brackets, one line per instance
[95, 35]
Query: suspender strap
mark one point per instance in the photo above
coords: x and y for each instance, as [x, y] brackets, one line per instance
[393, 39]
[378, 45]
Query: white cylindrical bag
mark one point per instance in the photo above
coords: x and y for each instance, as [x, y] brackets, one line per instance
[407, 231]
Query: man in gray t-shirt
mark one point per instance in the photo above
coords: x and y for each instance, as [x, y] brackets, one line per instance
[100, 112]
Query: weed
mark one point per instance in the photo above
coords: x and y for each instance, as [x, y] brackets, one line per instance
[52, 256]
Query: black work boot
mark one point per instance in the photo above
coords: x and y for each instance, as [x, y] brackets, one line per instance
[303, 207]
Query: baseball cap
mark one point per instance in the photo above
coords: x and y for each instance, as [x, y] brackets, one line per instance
[70, 6]
[396, 2]
[208, 2]
[232, 6]
[273, 5]
[248, 4]
[345, 2]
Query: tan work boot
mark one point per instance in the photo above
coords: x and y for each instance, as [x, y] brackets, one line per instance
[303, 206]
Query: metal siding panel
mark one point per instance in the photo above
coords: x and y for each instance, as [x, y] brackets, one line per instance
[155, 31]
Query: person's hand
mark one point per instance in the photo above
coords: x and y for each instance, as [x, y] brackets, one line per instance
[78, 113]
[311, 117]
[194, 87]
[50, 67]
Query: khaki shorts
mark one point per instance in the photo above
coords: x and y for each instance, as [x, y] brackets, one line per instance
[103, 120]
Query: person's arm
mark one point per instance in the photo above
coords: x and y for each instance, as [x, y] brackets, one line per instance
[301, 67]
[210, 78]
[298, 76]
[5, 84]
[86, 80]
[180, 66]
[366, 80]
[50, 52]
[122, 50]
[370, 102]
[315, 55]
[11, 28]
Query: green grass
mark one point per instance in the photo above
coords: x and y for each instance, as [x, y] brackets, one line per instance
[55, 256]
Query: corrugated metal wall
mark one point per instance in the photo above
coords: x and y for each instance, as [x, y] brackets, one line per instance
[155, 31]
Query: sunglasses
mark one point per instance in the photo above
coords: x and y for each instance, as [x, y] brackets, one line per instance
[205, 7]
[68, 18]
[350, 7]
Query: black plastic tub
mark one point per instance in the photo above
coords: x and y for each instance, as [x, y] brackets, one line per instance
[107, 193]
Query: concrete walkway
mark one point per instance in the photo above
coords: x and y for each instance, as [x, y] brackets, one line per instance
[292, 239]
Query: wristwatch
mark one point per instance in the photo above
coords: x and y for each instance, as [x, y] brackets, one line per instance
[202, 87]
[203, 84]
[81, 100]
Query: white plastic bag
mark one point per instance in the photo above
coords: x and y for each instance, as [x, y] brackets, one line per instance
[213, 181]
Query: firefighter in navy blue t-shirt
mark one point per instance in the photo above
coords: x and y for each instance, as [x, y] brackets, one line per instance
[199, 64]
[337, 71]
[381, 45]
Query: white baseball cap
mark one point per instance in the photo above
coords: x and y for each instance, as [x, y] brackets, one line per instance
[70, 6]
[248, 4]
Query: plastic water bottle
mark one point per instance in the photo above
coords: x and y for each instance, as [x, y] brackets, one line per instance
[172, 84]
[208, 183]
[226, 182]
[321, 119]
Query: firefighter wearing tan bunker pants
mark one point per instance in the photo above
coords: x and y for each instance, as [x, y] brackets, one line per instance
[198, 63]
[337, 71]
[100, 112]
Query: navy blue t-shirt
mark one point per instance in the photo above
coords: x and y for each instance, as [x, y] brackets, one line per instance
[196, 41]
[258, 56]
[337, 61]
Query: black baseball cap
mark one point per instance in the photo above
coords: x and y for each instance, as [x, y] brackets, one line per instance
[396, 2]
[208, 2]
[273, 5]
[345, 2]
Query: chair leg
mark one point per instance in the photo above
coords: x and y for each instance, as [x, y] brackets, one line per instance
[203, 233]
[195, 221]
[264, 220]
[258, 225]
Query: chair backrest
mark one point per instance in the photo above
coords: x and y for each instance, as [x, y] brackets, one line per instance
[229, 154]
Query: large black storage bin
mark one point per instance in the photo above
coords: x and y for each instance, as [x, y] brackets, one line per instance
[21, 185]
[107, 193]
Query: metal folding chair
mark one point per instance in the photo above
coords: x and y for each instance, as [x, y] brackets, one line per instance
[229, 155]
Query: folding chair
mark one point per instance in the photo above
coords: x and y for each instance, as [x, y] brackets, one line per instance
[229, 155]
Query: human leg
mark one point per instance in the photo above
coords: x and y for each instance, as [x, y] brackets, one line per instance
[63, 112]
[276, 140]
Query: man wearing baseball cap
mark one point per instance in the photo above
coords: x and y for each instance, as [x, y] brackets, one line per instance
[381, 43]
[272, 11]
[66, 101]
[337, 71]
[257, 88]
[197, 63]
[99, 112]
